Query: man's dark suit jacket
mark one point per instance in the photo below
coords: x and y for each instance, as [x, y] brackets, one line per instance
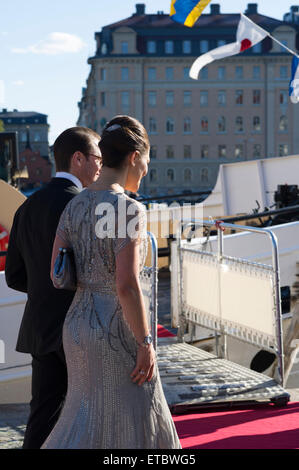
[28, 265]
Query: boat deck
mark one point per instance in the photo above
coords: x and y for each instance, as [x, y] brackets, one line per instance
[192, 377]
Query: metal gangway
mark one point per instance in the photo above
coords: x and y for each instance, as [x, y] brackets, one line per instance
[232, 297]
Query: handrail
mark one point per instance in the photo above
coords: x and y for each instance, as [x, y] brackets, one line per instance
[275, 259]
[154, 295]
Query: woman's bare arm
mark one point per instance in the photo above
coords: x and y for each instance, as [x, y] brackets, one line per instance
[133, 307]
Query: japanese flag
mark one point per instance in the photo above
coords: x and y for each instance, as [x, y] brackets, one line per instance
[248, 34]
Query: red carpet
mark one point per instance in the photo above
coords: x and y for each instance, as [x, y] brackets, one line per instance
[260, 427]
[163, 332]
[266, 427]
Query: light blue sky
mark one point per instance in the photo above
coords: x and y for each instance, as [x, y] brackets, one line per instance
[45, 72]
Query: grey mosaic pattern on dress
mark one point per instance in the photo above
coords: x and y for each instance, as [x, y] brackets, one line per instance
[104, 409]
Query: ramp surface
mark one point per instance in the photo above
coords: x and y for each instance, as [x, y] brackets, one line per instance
[192, 377]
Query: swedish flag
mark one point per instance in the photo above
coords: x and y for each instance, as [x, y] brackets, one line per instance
[187, 11]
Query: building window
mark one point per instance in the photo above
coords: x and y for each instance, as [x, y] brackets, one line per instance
[283, 150]
[256, 97]
[151, 73]
[239, 72]
[221, 42]
[187, 151]
[187, 98]
[170, 175]
[285, 42]
[187, 125]
[151, 47]
[283, 97]
[39, 172]
[256, 124]
[186, 47]
[221, 98]
[204, 98]
[124, 47]
[204, 153]
[187, 175]
[204, 73]
[23, 136]
[169, 151]
[152, 125]
[204, 46]
[257, 49]
[221, 73]
[170, 125]
[239, 153]
[36, 137]
[169, 98]
[222, 151]
[125, 73]
[169, 73]
[103, 74]
[125, 99]
[239, 97]
[239, 124]
[257, 151]
[186, 71]
[283, 124]
[256, 72]
[283, 71]
[204, 125]
[103, 98]
[153, 175]
[204, 175]
[168, 47]
[221, 124]
[153, 152]
[152, 98]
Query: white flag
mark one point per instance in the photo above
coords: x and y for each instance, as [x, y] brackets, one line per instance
[248, 34]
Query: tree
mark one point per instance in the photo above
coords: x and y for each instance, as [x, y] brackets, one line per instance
[1, 126]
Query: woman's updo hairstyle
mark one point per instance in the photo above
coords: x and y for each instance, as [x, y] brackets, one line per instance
[121, 136]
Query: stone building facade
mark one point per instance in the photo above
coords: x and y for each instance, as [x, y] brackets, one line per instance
[238, 110]
[33, 147]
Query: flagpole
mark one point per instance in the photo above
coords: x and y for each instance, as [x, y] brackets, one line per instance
[274, 39]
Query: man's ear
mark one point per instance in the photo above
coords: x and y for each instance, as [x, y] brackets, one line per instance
[77, 159]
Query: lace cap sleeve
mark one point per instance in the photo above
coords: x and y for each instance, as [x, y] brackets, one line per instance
[131, 224]
[63, 228]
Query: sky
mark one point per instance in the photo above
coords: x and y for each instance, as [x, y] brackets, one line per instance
[44, 48]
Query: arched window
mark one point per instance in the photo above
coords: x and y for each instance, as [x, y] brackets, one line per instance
[153, 176]
[283, 123]
[170, 175]
[187, 125]
[204, 125]
[187, 175]
[239, 124]
[170, 126]
[204, 175]
[221, 124]
[152, 125]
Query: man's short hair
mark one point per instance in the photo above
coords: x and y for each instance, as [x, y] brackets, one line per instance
[75, 139]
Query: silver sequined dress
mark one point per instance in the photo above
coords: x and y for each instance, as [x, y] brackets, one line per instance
[103, 408]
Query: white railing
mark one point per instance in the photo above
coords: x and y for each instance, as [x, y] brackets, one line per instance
[149, 285]
[230, 295]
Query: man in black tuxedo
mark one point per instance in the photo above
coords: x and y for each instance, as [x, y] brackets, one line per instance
[28, 263]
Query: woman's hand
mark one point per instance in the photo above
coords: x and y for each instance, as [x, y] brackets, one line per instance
[144, 370]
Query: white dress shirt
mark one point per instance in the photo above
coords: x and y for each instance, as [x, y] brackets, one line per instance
[69, 176]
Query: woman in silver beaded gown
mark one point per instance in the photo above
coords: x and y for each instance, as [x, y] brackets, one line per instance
[115, 398]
